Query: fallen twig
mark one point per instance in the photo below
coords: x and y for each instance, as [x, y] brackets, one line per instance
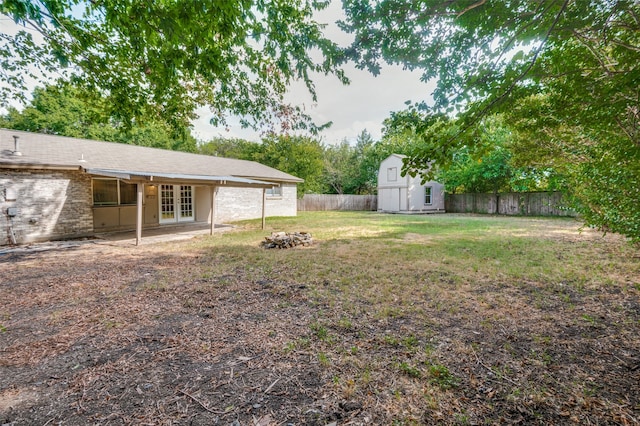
[272, 385]
[488, 368]
[202, 404]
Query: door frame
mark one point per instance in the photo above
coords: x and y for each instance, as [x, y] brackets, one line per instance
[179, 200]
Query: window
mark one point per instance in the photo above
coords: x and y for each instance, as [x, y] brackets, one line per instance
[105, 192]
[128, 193]
[392, 174]
[428, 192]
[112, 192]
[275, 191]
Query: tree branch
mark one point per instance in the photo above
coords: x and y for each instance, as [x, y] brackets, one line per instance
[519, 78]
[473, 6]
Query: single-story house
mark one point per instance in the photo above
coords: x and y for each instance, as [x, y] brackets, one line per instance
[397, 194]
[54, 187]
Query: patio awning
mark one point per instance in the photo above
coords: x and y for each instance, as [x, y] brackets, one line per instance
[153, 177]
[213, 181]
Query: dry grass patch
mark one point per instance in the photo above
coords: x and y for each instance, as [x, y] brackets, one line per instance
[388, 320]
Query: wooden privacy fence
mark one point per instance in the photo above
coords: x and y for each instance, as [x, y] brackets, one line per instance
[510, 203]
[319, 202]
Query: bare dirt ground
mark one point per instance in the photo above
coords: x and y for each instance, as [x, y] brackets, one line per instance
[95, 335]
[99, 334]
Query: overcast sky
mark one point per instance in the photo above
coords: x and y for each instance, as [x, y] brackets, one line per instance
[364, 104]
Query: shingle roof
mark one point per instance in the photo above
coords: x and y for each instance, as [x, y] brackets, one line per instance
[40, 150]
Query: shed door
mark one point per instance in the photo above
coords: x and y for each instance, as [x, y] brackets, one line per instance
[176, 203]
[390, 199]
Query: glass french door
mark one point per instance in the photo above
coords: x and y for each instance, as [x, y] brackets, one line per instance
[176, 203]
[185, 204]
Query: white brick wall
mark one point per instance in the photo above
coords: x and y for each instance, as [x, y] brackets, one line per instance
[246, 203]
[50, 204]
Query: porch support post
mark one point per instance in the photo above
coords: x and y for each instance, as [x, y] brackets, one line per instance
[139, 214]
[264, 202]
[214, 189]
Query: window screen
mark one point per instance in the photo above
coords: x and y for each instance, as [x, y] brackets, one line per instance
[105, 192]
[128, 193]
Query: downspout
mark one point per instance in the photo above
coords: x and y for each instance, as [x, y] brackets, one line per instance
[10, 213]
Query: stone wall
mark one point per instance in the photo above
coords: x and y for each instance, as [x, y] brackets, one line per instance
[49, 204]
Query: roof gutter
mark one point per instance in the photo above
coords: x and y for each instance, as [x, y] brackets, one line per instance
[144, 177]
[276, 180]
[38, 166]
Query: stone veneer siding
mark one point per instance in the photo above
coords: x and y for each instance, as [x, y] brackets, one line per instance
[51, 204]
[246, 203]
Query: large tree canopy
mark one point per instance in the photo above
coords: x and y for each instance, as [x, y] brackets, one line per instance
[567, 72]
[483, 53]
[67, 110]
[169, 57]
[300, 156]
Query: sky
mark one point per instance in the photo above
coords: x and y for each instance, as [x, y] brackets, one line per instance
[362, 105]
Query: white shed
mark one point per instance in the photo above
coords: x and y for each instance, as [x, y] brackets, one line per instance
[397, 194]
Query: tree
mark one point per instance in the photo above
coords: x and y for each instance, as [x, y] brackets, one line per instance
[490, 173]
[352, 169]
[68, 110]
[364, 173]
[338, 167]
[300, 156]
[601, 175]
[166, 58]
[230, 148]
[488, 56]
[486, 164]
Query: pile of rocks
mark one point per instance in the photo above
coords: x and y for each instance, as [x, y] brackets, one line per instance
[284, 240]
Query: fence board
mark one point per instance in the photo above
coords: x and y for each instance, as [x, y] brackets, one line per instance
[510, 203]
[321, 202]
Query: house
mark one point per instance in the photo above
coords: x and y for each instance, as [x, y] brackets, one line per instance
[398, 194]
[54, 187]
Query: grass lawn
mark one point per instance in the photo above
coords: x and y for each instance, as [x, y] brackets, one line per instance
[386, 319]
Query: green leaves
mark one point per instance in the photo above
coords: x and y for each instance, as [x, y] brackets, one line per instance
[68, 110]
[297, 155]
[565, 73]
[167, 58]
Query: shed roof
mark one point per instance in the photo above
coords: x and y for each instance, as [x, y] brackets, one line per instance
[50, 151]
